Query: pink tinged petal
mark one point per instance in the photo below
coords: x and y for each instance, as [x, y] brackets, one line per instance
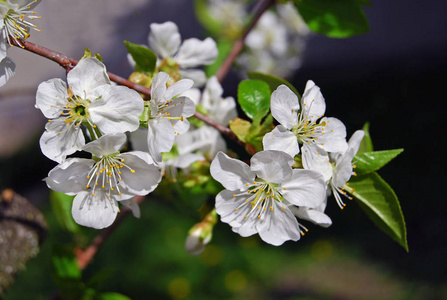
[317, 160]
[142, 178]
[61, 139]
[178, 87]
[105, 145]
[278, 225]
[70, 177]
[7, 70]
[133, 206]
[312, 102]
[51, 97]
[284, 106]
[88, 74]
[272, 166]
[281, 139]
[97, 211]
[305, 188]
[158, 88]
[334, 137]
[194, 52]
[233, 174]
[117, 110]
[164, 39]
[160, 137]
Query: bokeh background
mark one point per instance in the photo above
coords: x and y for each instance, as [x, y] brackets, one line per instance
[393, 77]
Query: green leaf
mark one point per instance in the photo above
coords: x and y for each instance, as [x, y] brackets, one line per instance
[241, 128]
[64, 263]
[61, 206]
[380, 203]
[254, 98]
[224, 48]
[372, 161]
[366, 145]
[333, 18]
[111, 296]
[100, 277]
[272, 81]
[144, 58]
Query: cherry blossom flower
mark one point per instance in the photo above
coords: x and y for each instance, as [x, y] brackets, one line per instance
[168, 114]
[257, 198]
[15, 17]
[303, 124]
[103, 181]
[90, 99]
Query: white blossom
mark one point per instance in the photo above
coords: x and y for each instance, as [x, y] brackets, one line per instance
[168, 113]
[89, 99]
[257, 198]
[304, 124]
[15, 17]
[109, 177]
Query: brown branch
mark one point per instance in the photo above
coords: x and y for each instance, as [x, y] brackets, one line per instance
[84, 257]
[258, 10]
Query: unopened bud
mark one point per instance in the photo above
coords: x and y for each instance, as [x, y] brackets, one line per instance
[141, 79]
[201, 234]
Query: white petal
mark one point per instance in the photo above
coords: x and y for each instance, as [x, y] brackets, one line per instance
[186, 160]
[233, 174]
[87, 75]
[281, 139]
[196, 75]
[160, 137]
[97, 211]
[7, 70]
[70, 177]
[318, 160]
[145, 177]
[178, 87]
[312, 102]
[272, 166]
[313, 215]
[305, 188]
[277, 226]
[158, 88]
[334, 139]
[133, 206]
[138, 140]
[118, 109]
[284, 106]
[164, 39]
[60, 139]
[105, 145]
[51, 97]
[194, 52]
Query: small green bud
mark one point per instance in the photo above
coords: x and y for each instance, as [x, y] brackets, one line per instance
[201, 234]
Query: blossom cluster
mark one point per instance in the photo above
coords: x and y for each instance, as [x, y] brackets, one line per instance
[266, 196]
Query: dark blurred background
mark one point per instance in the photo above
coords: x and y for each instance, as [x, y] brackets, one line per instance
[392, 77]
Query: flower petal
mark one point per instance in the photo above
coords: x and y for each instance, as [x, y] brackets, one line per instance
[97, 211]
[272, 166]
[51, 97]
[158, 88]
[277, 226]
[233, 174]
[281, 139]
[160, 137]
[117, 110]
[316, 159]
[177, 88]
[334, 139]
[164, 39]
[312, 102]
[105, 145]
[305, 188]
[87, 75]
[284, 106]
[194, 52]
[69, 177]
[7, 70]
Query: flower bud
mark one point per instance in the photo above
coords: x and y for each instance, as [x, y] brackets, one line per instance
[201, 234]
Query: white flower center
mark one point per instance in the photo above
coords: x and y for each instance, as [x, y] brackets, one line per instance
[16, 23]
[106, 174]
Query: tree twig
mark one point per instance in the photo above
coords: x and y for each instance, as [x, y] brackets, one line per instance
[258, 10]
